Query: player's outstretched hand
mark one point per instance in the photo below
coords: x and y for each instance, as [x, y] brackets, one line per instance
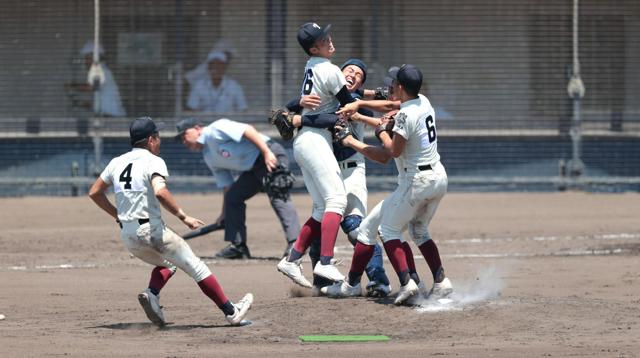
[349, 109]
[192, 222]
[341, 132]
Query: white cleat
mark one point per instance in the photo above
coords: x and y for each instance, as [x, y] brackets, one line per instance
[328, 271]
[293, 270]
[420, 297]
[441, 289]
[241, 309]
[406, 291]
[151, 305]
[342, 289]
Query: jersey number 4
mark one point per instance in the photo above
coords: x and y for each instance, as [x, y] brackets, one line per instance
[125, 176]
[307, 85]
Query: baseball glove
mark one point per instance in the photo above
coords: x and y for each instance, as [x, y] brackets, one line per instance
[278, 182]
[385, 127]
[284, 122]
[381, 93]
[341, 131]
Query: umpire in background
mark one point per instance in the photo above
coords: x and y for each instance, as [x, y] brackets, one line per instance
[230, 147]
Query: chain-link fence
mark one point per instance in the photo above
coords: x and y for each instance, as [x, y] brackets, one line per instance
[495, 71]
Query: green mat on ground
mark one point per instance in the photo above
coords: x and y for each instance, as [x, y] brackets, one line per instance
[343, 338]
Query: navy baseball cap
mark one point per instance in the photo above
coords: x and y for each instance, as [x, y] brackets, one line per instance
[409, 76]
[359, 63]
[311, 32]
[391, 73]
[185, 124]
[142, 128]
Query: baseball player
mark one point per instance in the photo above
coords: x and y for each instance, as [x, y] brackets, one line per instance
[422, 182]
[138, 179]
[313, 153]
[352, 166]
[228, 146]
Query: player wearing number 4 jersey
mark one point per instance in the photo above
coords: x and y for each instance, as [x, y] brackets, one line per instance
[314, 154]
[138, 179]
[422, 183]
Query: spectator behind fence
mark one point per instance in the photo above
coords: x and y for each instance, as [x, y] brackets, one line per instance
[213, 90]
[109, 102]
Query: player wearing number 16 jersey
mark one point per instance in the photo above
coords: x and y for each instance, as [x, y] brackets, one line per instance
[138, 179]
[312, 149]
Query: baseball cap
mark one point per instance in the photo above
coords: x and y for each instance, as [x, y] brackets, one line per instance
[391, 73]
[359, 63]
[185, 124]
[408, 76]
[142, 128]
[311, 32]
[216, 55]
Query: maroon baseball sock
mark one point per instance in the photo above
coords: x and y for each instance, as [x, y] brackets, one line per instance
[361, 256]
[410, 262]
[159, 277]
[398, 259]
[309, 230]
[329, 233]
[430, 252]
[213, 290]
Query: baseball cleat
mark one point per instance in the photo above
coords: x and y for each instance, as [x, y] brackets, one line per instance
[241, 309]
[418, 298]
[328, 271]
[293, 270]
[406, 291]
[376, 289]
[342, 289]
[441, 289]
[151, 305]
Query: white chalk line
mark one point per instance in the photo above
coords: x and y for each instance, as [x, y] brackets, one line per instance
[347, 251]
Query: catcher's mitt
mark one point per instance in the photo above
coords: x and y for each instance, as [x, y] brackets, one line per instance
[388, 121]
[278, 182]
[341, 131]
[284, 122]
[381, 93]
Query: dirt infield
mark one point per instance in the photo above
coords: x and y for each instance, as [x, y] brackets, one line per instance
[537, 275]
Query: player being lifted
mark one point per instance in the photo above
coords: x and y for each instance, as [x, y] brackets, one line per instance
[313, 152]
[422, 183]
[138, 179]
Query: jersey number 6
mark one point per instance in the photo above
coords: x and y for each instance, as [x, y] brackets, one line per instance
[431, 129]
[307, 85]
[125, 176]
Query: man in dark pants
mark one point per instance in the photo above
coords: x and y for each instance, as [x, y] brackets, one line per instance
[230, 147]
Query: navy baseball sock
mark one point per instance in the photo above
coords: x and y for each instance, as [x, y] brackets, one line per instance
[325, 260]
[228, 308]
[295, 255]
[404, 277]
[354, 278]
[414, 276]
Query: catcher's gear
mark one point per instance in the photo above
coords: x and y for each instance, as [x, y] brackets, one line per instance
[284, 122]
[381, 93]
[341, 131]
[278, 182]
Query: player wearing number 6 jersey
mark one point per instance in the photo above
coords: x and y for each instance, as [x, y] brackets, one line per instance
[313, 152]
[422, 183]
[138, 179]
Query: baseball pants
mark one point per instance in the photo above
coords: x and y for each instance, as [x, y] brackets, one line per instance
[247, 185]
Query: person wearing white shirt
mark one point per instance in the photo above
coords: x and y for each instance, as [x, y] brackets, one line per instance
[216, 92]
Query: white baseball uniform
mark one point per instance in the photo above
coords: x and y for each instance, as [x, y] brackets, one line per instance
[353, 175]
[312, 146]
[150, 241]
[422, 180]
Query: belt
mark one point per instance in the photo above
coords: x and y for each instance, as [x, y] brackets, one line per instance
[143, 221]
[422, 167]
[346, 165]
